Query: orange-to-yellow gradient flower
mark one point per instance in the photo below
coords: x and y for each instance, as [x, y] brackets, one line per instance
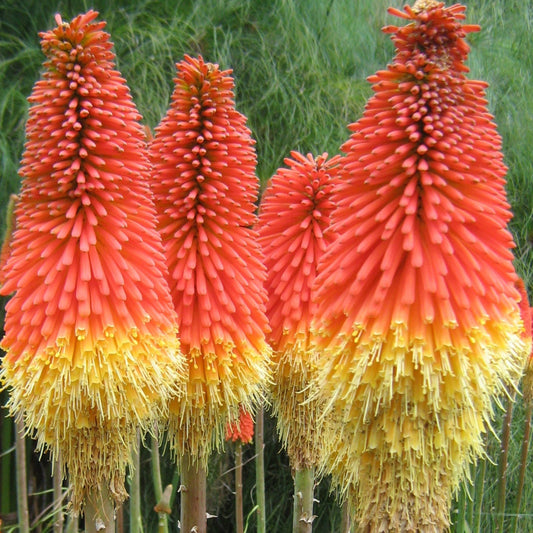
[91, 335]
[294, 217]
[418, 313]
[205, 188]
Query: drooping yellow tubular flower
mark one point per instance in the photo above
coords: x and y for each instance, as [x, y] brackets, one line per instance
[205, 188]
[294, 217]
[417, 310]
[91, 334]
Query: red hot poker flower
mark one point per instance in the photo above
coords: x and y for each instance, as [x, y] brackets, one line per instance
[90, 330]
[293, 221]
[205, 188]
[417, 307]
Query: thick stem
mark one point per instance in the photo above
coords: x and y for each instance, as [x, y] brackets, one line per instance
[478, 496]
[260, 471]
[99, 512]
[193, 496]
[136, 525]
[120, 519]
[156, 469]
[238, 488]
[346, 520]
[22, 493]
[162, 524]
[58, 498]
[461, 510]
[502, 465]
[72, 524]
[523, 462]
[304, 481]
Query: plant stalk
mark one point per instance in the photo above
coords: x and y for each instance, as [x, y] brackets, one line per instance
[100, 512]
[523, 462]
[304, 481]
[162, 523]
[22, 492]
[260, 471]
[239, 517]
[478, 496]
[346, 522]
[193, 496]
[461, 509]
[502, 465]
[58, 498]
[136, 525]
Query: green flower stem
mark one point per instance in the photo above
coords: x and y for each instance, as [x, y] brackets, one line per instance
[502, 466]
[22, 493]
[156, 469]
[193, 496]
[72, 524]
[304, 481]
[239, 518]
[460, 521]
[523, 463]
[100, 512]
[136, 525]
[260, 471]
[162, 524]
[478, 495]
[175, 483]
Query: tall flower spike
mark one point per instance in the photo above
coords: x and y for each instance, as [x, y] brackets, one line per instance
[294, 217]
[91, 336]
[205, 188]
[418, 311]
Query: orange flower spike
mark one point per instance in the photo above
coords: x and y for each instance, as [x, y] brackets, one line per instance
[205, 188]
[91, 335]
[293, 221]
[417, 309]
[241, 430]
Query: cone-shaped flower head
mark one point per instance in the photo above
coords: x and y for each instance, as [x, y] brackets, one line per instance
[205, 188]
[242, 429]
[90, 330]
[418, 310]
[293, 221]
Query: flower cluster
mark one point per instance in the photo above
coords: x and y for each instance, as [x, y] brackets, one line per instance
[417, 309]
[91, 344]
[205, 189]
[293, 221]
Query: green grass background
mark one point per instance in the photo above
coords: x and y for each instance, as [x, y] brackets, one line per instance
[300, 69]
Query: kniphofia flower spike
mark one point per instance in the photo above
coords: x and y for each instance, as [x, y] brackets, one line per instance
[418, 312]
[91, 335]
[294, 217]
[205, 188]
